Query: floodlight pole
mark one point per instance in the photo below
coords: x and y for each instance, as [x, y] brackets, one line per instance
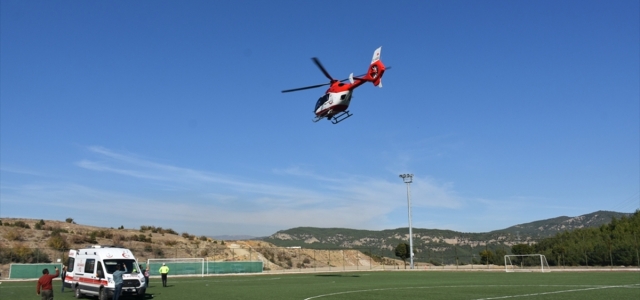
[408, 178]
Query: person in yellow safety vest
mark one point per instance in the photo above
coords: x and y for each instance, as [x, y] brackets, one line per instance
[164, 270]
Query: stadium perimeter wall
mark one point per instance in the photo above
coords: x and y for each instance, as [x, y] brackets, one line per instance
[285, 260]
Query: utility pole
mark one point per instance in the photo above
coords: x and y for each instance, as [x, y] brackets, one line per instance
[408, 178]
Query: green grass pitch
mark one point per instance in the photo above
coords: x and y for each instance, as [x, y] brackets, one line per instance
[380, 285]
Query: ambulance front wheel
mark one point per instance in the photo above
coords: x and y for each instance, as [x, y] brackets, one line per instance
[76, 291]
[103, 294]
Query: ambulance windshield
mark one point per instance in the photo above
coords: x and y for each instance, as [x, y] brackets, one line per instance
[110, 265]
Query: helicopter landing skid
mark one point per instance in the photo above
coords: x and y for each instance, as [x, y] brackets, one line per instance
[335, 119]
[341, 117]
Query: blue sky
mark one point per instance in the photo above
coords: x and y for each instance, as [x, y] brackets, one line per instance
[170, 114]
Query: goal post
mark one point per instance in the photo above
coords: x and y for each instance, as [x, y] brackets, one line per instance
[177, 266]
[526, 263]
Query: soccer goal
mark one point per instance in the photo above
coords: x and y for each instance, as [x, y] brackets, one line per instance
[178, 266]
[526, 263]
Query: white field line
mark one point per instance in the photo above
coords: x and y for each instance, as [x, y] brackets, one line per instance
[231, 280]
[475, 286]
[558, 292]
[181, 281]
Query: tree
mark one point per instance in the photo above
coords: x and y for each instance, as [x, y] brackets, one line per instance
[402, 251]
[521, 249]
[500, 253]
[487, 257]
[610, 244]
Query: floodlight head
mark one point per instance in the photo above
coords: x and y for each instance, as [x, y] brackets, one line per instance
[407, 178]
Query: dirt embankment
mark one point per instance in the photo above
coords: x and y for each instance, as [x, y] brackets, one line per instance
[33, 241]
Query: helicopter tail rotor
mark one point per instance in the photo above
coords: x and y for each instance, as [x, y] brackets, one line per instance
[376, 69]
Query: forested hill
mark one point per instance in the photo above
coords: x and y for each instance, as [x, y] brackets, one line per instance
[549, 227]
[325, 238]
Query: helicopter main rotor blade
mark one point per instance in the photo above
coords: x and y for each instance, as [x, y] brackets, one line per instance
[306, 88]
[324, 84]
[324, 71]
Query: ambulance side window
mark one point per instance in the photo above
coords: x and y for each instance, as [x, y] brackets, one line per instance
[71, 264]
[100, 270]
[90, 265]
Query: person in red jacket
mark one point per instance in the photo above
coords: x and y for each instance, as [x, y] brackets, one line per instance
[45, 287]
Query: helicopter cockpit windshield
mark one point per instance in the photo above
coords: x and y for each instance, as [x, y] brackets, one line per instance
[322, 100]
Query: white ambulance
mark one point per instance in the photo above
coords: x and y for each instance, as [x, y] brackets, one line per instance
[90, 272]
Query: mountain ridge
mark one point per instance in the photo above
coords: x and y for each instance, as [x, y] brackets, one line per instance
[436, 240]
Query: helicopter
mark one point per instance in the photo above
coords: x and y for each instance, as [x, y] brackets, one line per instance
[334, 103]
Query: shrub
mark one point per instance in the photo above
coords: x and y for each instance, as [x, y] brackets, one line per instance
[39, 225]
[21, 224]
[57, 231]
[117, 240]
[58, 242]
[69, 220]
[282, 256]
[78, 239]
[288, 262]
[21, 254]
[147, 248]
[37, 256]
[158, 252]
[170, 243]
[203, 238]
[92, 237]
[13, 235]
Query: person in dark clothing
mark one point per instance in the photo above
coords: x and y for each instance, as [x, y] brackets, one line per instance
[62, 276]
[146, 277]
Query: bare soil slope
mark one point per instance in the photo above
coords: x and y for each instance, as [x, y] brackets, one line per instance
[21, 242]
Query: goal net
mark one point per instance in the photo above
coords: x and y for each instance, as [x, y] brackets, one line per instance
[177, 266]
[526, 263]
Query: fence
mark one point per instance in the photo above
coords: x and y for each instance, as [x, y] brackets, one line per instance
[28, 271]
[284, 259]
